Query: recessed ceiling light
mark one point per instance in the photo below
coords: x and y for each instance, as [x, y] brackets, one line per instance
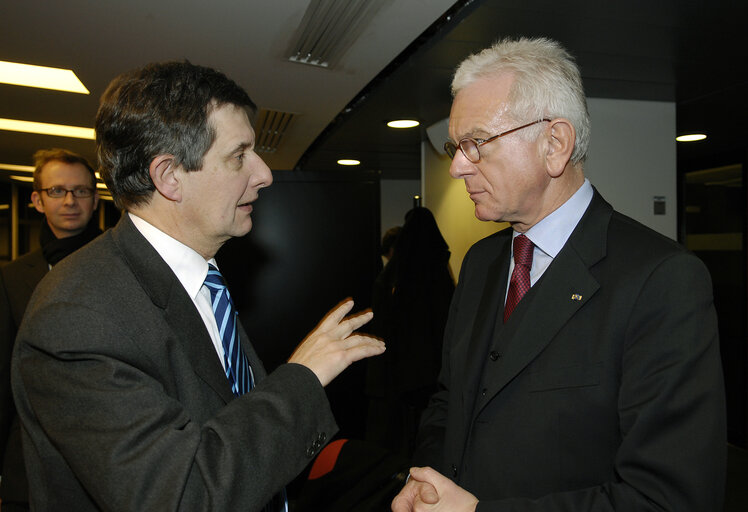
[403, 123]
[61, 130]
[691, 137]
[43, 77]
[348, 161]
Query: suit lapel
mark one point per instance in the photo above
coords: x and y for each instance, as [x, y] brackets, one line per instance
[258, 370]
[166, 293]
[563, 289]
[37, 268]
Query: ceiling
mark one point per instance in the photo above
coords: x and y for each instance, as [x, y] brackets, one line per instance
[399, 64]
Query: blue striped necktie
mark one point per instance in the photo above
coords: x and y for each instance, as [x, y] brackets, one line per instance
[238, 370]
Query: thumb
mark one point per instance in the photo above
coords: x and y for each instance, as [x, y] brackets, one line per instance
[428, 493]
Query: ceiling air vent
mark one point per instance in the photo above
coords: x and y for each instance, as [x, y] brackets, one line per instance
[328, 29]
[269, 129]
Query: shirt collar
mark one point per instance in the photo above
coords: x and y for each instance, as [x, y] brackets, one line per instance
[551, 233]
[189, 267]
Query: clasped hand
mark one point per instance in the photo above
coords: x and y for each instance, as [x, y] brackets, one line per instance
[427, 489]
[331, 347]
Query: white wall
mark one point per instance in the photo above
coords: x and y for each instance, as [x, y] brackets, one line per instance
[632, 159]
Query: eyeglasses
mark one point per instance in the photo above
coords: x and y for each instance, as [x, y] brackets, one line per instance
[469, 146]
[60, 192]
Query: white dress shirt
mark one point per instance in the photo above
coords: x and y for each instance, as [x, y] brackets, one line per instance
[191, 270]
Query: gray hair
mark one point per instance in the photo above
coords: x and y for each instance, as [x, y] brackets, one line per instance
[161, 108]
[547, 83]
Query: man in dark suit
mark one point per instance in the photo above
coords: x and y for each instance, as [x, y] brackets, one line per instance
[65, 192]
[136, 385]
[600, 388]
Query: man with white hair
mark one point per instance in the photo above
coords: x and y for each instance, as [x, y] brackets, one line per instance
[581, 367]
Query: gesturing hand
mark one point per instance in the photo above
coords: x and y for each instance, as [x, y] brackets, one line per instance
[331, 347]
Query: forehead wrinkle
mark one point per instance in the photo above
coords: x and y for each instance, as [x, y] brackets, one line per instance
[483, 123]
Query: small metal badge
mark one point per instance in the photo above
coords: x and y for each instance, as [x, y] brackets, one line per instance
[576, 296]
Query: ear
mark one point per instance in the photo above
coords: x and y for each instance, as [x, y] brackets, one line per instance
[95, 198]
[163, 173]
[36, 199]
[561, 137]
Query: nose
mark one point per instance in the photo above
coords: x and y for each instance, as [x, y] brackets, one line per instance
[69, 198]
[460, 166]
[261, 175]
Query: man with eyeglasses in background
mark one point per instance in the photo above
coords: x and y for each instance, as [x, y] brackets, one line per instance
[581, 366]
[65, 193]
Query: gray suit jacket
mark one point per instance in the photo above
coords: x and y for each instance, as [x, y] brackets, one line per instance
[124, 403]
[603, 391]
[18, 279]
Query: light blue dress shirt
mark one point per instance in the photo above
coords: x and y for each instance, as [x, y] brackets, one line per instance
[550, 234]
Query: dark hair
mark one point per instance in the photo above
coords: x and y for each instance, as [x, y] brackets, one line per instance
[161, 108]
[420, 251]
[44, 156]
[389, 239]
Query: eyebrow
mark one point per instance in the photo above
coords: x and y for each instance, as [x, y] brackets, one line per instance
[476, 133]
[240, 148]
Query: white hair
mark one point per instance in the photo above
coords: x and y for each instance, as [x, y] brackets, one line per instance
[547, 83]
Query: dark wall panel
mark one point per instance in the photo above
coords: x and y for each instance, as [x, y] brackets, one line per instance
[314, 242]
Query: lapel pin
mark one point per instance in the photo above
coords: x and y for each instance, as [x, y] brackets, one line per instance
[576, 296]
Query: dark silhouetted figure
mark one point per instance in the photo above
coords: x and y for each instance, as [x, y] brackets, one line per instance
[410, 301]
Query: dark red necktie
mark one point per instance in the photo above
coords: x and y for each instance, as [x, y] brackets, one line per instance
[519, 284]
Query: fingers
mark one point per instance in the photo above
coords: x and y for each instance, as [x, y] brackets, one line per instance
[406, 498]
[412, 494]
[426, 474]
[440, 491]
[430, 480]
[340, 327]
[430, 475]
[332, 346]
[360, 347]
[335, 315]
[354, 322]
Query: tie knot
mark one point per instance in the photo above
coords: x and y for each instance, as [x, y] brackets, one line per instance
[214, 278]
[523, 251]
[216, 285]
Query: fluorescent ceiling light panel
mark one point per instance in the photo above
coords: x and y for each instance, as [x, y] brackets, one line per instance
[14, 167]
[60, 130]
[28, 75]
[27, 179]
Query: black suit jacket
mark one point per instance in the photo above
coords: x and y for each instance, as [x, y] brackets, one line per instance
[603, 391]
[125, 405]
[18, 280]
